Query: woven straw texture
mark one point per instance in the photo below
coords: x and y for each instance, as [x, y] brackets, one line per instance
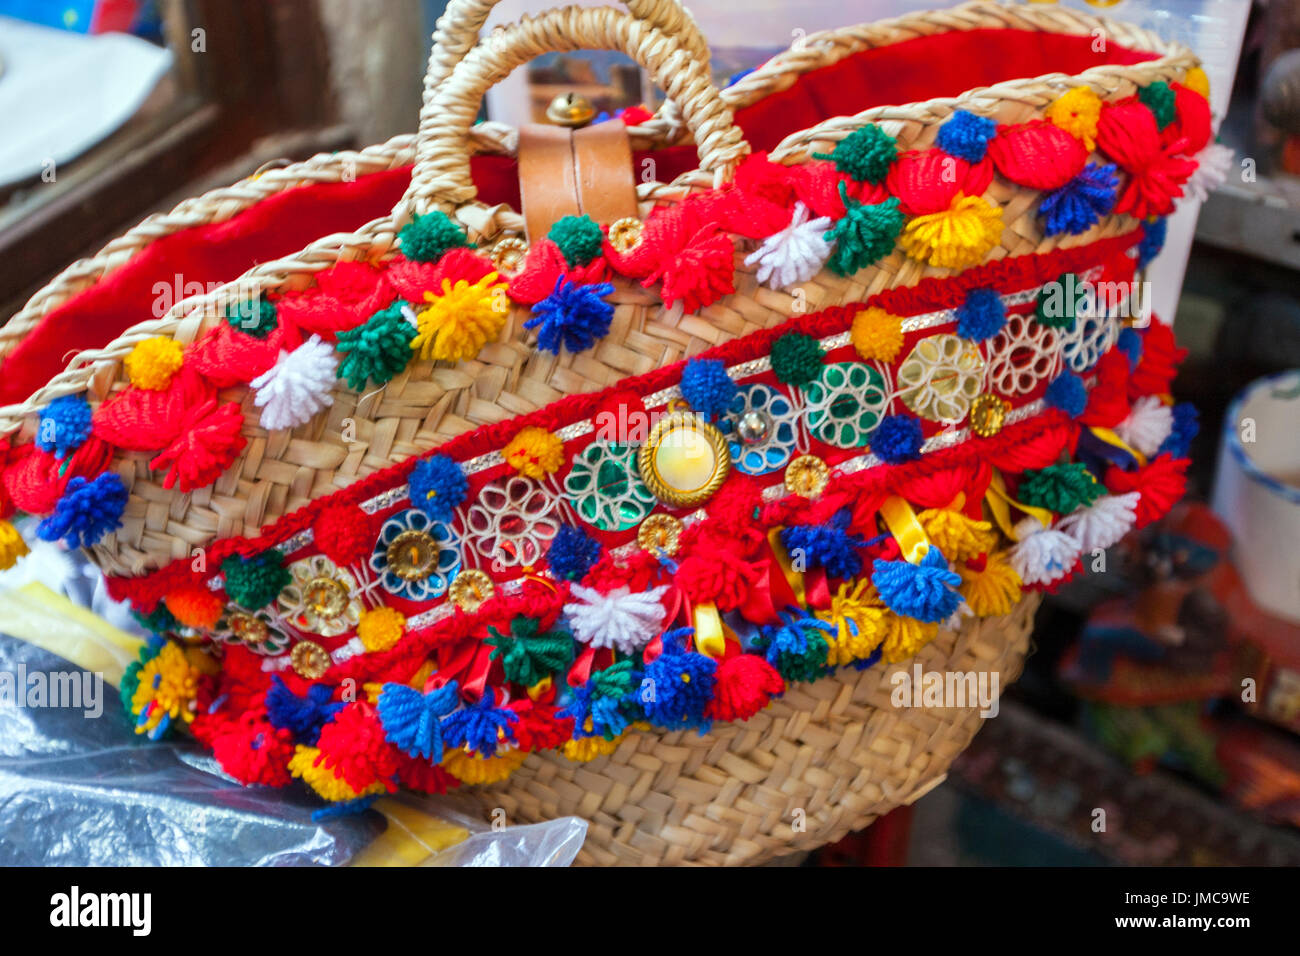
[822, 761]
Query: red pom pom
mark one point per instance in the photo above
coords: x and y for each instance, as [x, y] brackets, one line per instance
[1037, 451]
[700, 273]
[34, 480]
[1161, 483]
[926, 181]
[1108, 403]
[354, 747]
[225, 356]
[817, 184]
[664, 232]
[638, 572]
[253, 750]
[635, 115]
[344, 534]
[142, 419]
[538, 727]
[716, 576]
[416, 773]
[760, 178]
[1194, 125]
[412, 280]
[210, 441]
[1159, 363]
[344, 296]
[746, 684]
[1037, 154]
[1127, 133]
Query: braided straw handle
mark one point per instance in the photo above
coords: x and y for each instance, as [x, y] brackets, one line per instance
[441, 179]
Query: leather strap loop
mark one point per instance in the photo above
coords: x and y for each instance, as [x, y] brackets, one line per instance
[567, 173]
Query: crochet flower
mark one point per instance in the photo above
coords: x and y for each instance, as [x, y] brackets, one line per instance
[795, 254]
[416, 557]
[877, 335]
[534, 452]
[707, 387]
[64, 425]
[437, 485]
[573, 316]
[957, 237]
[87, 511]
[981, 315]
[456, 324]
[377, 349]
[1079, 205]
[620, 619]
[297, 386]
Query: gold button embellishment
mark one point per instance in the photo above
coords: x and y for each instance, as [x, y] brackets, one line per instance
[413, 555]
[247, 628]
[684, 459]
[470, 589]
[508, 255]
[660, 532]
[309, 660]
[807, 476]
[987, 415]
[625, 234]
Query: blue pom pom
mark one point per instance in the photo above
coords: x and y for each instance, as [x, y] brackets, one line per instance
[897, 439]
[1078, 205]
[1153, 240]
[967, 136]
[573, 316]
[87, 511]
[1130, 343]
[437, 487]
[925, 591]
[1186, 425]
[707, 387]
[681, 685]
[344, 808]
[480, 726]
[608, 714]
[411, 720]
[64, 425]
[303, 716]
[982, 315]
[828, 546]
[1067, 392]
[572, 553]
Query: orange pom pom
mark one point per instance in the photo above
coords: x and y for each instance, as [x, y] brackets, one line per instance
[195, 607]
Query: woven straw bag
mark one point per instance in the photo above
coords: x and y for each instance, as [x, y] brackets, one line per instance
[368, 499]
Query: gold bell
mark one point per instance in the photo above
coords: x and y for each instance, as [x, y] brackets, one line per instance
[571, 109]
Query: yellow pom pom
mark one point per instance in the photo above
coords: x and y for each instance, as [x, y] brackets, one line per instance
[472, 768]
[957, 536]
[307, 765]
[154, 362]
[1197, 81]
[381, 627]
[456, 324]
[904, 636]
[12, 546]
[589, 748]
[859, 619]
[1077, 113]
[170, 683]
[993, 591]
[534, 452]
[958, 237]
[877, 335]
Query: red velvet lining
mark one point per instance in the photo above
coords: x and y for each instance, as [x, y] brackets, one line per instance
[915, 69]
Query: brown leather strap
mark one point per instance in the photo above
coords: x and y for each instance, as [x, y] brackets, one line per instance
[567, 173]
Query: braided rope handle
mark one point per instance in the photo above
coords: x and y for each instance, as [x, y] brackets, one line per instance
[442, 178]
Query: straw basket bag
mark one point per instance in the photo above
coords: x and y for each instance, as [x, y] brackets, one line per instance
[665, 504]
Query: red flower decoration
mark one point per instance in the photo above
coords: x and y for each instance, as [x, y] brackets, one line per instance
[1128, 134]
[209, 442]
[142, 419]
[1159, 363]
[927, 180]
[817, 185]
[1038, 154]
[354, 747]
[1161, 483]
[226, 356]
[411, 280]
[544, 266]
[700, 273]
[344, 534]
[34, 480]
[745, 685]
[1108, 403]
[253, 750]
[344, 296]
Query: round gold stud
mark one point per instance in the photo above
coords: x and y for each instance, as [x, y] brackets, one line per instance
[470, 589]
[571, 109]
[413, 555]
[325, 597]
[625, 234]
[508, 255]
[987, 414]
[660, 532]
[249, 629]
[684, 459]
[309, 660]
[807, 476]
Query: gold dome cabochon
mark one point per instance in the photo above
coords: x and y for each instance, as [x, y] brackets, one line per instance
[684, 459]
[413, 555]
[988, 413]
[660, 532]
[326, 597]
[246, 627]
[807, 476]
[309, 660]
[625, 234]
[470, 589]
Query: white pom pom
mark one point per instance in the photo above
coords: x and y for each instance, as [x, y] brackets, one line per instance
[1213, 164]
[1042, 555]
[795, 254]
[1148, 424]
[619, 619]
[297, 386]
[1104, 522]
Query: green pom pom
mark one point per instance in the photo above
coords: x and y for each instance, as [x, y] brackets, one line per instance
[376, 350]
[425, 238]
[255, 317]
[527, 656]
[1060, 488]
[1159, 99]
[131, 679]
[809, 665]
[1059, 302]
[865, 154]
[157, 621]
[796, 358]
[579, 238]
[255, 582]
[865, 235]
